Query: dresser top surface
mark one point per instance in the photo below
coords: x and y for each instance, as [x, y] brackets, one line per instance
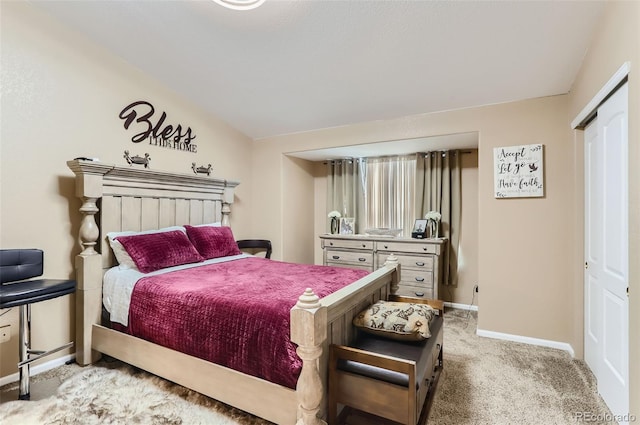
[438, 241]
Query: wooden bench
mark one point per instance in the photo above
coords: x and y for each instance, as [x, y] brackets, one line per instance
[392, 379]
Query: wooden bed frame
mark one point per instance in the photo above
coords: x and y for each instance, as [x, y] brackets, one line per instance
[125, 198]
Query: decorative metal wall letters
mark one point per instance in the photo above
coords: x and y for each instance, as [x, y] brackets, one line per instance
[138, 160]
[158, 134]
[202, 169]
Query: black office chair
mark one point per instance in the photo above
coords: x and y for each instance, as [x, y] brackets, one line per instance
[256, 245]
[18, 265]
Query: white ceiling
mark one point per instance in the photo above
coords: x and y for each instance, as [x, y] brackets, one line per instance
[295, 66]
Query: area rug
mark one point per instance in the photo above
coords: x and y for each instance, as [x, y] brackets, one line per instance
[484, 382]
[115, 393]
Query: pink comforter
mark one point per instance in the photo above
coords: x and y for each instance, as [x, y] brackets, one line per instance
[235, 314]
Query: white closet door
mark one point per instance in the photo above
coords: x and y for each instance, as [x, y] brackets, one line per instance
[607, 251]
[593, 243]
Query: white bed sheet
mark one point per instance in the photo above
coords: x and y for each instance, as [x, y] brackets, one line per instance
[118, 284]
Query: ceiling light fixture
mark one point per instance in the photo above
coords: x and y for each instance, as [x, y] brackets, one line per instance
[240, 4]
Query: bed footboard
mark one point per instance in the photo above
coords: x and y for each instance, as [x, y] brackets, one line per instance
[316, 323]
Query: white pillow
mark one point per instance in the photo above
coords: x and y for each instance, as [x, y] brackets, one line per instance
[124, 259]
[216, 224]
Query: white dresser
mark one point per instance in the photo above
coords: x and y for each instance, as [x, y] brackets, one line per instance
[421, 260]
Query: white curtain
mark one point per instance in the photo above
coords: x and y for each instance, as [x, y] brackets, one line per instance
[394, 191]
[344, 189]
[389, 187]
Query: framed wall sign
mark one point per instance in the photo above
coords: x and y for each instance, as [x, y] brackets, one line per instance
[518, 171]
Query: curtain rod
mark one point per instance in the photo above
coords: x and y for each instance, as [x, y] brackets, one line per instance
[359, 159]
[349, 160]
[444, 152]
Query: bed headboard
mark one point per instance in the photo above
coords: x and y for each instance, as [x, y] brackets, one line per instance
[125, 198]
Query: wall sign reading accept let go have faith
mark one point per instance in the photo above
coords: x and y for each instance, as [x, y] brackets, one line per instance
[518, 171]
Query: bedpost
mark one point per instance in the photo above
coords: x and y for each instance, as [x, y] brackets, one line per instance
[227, 200]
[88, 263]
[391, 263]
[309, 331]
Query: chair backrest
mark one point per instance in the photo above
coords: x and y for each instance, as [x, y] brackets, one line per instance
[20, 264]
[256, 244]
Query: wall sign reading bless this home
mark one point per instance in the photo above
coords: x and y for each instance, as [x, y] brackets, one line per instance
[518, 171]
[155, 130]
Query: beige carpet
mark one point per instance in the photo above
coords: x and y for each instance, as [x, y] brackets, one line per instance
[484, 381]
[488, 381]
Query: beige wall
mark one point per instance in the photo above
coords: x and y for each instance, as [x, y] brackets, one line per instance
[518, 272]
[469, 225]
[298, 186]
[321, 222]
[61, 96]
[616, 41]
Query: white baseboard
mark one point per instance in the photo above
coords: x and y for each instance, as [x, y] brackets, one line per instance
[461, 306]
[43, 367]
[527, 340]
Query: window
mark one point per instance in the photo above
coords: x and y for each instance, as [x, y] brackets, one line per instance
[389, 193]
[393, 191]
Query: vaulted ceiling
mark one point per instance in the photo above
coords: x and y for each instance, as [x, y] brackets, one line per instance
[294, 66]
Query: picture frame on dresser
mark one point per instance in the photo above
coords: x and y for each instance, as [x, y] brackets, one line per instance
[347, 225]
[419, 229]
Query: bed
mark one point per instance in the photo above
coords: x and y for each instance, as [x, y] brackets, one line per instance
[118, 199]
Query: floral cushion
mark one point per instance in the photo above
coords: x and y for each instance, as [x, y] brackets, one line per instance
[396, 320]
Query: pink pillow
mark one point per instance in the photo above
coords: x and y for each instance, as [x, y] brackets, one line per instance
[213, 242]
[156, 251]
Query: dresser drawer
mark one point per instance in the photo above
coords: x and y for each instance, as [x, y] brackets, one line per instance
[415, 291]
[352, 257]
[351, 266]
[417, 277]
[348, 244]
[409, 261]
[424, 248]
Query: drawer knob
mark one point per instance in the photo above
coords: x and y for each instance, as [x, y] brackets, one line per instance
[386, 246]
[336, 257]
[362, 259]
[364, 246]
[419, 294]
[419, 279]
[419, 263]
[331, 243]
[424, 248]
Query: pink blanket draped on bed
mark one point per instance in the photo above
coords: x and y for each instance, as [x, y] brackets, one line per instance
[235, 313]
